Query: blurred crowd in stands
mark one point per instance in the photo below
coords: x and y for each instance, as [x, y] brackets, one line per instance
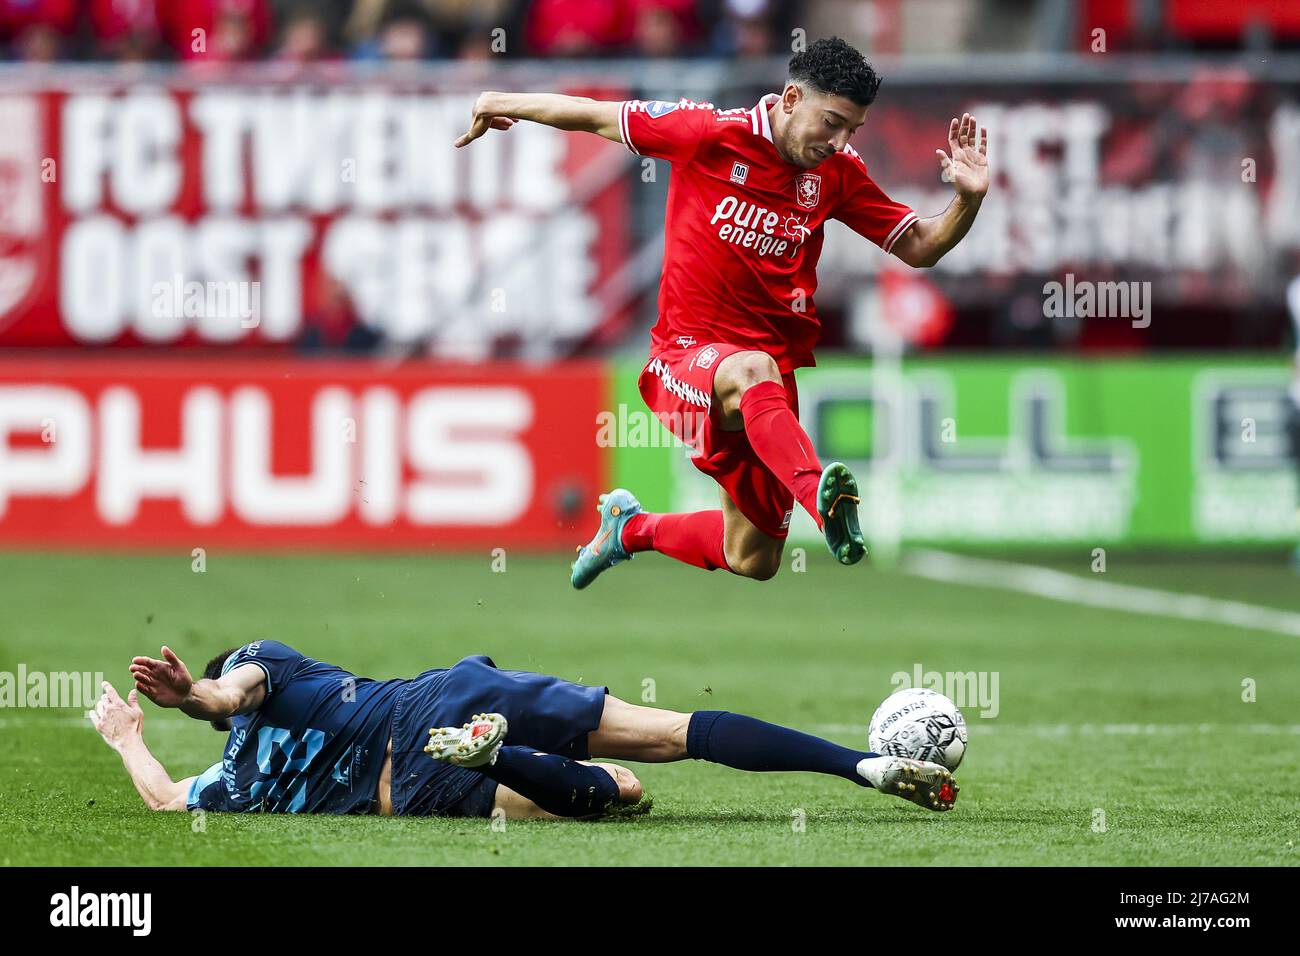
[306, 31]
[303, 31]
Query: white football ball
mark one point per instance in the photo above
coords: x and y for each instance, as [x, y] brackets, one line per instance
[919, 723]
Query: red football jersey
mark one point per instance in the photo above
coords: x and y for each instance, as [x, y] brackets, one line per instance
[744, 227]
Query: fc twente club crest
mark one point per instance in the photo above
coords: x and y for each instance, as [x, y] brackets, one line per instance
[808, 189]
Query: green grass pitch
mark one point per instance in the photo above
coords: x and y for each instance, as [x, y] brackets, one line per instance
[1055, 778]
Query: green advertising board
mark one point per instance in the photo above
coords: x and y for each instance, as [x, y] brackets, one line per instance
[1173, 452]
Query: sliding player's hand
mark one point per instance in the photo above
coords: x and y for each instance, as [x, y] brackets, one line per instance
[117, 720]
[167, 682]
[968, 166]
[483, 120]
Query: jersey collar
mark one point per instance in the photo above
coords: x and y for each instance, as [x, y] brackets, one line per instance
[758, 119]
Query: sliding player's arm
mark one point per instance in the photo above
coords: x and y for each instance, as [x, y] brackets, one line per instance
[121, 724]
[927, 241]
[503, 110]
[168, 683]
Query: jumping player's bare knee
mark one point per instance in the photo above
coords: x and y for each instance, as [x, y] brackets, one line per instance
[750, 552]
[737, 374]
[761, 564]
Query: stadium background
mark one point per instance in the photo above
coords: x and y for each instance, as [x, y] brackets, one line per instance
[259, 320]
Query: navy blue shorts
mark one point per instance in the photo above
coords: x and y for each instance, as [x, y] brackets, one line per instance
[545, 713]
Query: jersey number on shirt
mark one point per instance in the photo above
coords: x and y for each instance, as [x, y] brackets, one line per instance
[289, 781]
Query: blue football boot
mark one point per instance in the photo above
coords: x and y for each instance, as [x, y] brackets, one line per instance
[606, 549]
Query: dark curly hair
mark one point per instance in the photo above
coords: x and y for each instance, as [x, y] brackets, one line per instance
[832, 66]
[213, 670]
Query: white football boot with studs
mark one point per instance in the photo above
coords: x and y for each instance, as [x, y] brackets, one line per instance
[474, 744]
[929, 784]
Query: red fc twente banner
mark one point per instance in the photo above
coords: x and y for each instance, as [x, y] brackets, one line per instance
[300, 213]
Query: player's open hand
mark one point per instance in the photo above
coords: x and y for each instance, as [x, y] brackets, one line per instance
[167, 682]
[117, 720]
[483, 119]
[968, 166]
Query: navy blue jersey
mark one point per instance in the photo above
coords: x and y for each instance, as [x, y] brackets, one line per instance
[315, 745]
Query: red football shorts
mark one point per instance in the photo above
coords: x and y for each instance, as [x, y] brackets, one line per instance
[677, 385]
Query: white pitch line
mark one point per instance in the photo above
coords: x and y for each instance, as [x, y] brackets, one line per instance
[52, 718]
[976, 725]
[985, 728]
[1060, 586]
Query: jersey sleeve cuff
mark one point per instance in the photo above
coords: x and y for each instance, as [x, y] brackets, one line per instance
[265, 670]
[624, 132]
[903, 225]
[200, 783]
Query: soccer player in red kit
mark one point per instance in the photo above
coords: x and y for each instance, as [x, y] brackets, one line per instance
[749, 194]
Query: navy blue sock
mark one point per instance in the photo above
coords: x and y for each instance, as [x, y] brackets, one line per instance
[745, 743]
[556, 784]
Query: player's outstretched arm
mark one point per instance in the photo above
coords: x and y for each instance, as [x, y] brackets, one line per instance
[928, 240]
[168, 683]
[121, 724]
[502, 110]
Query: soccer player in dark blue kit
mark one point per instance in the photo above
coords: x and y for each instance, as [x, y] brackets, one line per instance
[308, 737]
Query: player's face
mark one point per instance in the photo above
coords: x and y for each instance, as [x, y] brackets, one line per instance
[818, 125]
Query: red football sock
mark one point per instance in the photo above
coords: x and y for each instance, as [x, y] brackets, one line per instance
[782, 444]
[693, 538]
